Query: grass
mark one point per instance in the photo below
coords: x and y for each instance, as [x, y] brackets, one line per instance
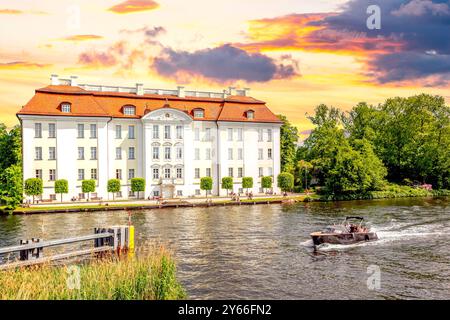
[150, 276]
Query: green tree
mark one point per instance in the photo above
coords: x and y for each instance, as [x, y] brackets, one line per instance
[113, 186]
[33, 187]
[285, 181]
[206, 183]
[266, 182]
[88, 186]
[247, 183]
[61, 186]
[11, 189]
[303, 173]
[138, 185]
[288, 145]
[227, 183]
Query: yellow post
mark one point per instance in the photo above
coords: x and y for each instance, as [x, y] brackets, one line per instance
[131, 238]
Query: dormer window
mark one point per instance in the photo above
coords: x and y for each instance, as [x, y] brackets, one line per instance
[65, 107]
[199, 113]
[129, 110]
[250, 114]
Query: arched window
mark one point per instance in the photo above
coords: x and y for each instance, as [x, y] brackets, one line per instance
[66, 107]
[129, 110]
[199, 113]
[250, 114]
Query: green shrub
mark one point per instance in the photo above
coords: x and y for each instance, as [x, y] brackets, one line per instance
[33, 187]
[61, 186]
[206, 183]
[113, 186]
[88, 186]
[247, 183]
[227, 183]
[266, 182]
[138, 185]
[285, 181]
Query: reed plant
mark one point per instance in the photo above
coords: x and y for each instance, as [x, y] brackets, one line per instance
[149, 275]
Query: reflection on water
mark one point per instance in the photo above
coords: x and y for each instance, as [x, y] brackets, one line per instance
[264, 251]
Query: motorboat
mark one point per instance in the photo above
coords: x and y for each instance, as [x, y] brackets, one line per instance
[351, 230]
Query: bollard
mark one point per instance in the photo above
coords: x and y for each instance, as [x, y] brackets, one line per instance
[121, 241]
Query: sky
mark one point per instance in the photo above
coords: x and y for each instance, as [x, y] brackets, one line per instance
[293, 54]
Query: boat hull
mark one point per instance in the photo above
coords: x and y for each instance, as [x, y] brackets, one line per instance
[343, 238]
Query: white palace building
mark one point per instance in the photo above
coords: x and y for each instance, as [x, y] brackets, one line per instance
[171, 138]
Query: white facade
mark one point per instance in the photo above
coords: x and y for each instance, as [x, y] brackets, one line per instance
[172, 161]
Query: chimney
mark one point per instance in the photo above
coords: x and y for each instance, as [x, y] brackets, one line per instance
[232, 91]
[140, 89]
[225, 93]
[54, 80]
[181, 92]
[246, 92]
[74, 81]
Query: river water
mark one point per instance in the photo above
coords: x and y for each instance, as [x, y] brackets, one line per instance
[264, 251]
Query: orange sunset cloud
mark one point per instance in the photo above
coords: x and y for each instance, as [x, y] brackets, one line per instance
[131, 6]
[82, 37]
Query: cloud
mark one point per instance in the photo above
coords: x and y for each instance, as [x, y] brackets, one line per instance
[224, 63]
[97, 59]
[149, 33]
[416, 29]
[17, 12]
[131, 6]
[422, 7]
[22, 65]
[82, 37]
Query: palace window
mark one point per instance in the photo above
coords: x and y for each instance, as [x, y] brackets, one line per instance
[38, 173]
[269, 154]
[65, 107]
[208, 172]
[207, 154]
[260, 135]
[230, 172]
[131, 132]
[94, 174]
[93, 131]
[197, 173]
[250, 114]
[51, 153]
[260, 154]
[260, 172]
[80, 153]
[93, 153]
[230, 134]
[230, 154]
[155, 173]
[38, 130]
[199, 113]
[179, 132]
[38, 153]
[118, 153]
[129, 110]
[207, 134]
[51, 130]
[118, 131]
[167, 153]
[155, 153]
[166, 132]
[131, 153]
[80, 174]
[179, 173]
[240, 154]
[130, 174]
[80, 130]
[270, 172]
[52, 174]
[179, 152]
[239, 130]
[155, 131]
[240, 172]
[269, 135]
[167, 173]
[196, 134]
[119, 174]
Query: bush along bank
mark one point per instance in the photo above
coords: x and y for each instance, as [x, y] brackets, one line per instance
[388, 192]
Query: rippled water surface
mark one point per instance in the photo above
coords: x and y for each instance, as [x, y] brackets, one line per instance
[264, 251]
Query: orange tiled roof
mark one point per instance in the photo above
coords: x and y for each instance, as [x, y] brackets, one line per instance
[47, 101]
